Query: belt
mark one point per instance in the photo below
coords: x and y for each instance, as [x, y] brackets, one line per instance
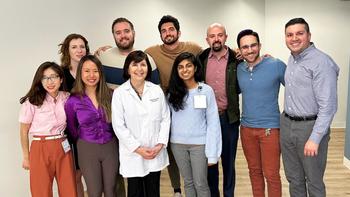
[52, 137]
[300, 118]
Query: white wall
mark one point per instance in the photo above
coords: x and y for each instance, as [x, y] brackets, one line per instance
[31, 31]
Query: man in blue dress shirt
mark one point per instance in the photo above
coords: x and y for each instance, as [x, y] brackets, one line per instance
[309, 107]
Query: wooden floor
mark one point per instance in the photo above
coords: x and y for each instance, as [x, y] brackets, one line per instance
[337, 177]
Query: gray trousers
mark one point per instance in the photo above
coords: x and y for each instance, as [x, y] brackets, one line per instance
[173, 170]
[99, 165]
[304, 174]
[193, 166]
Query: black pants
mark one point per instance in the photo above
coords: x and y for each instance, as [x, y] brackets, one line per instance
[147, 186]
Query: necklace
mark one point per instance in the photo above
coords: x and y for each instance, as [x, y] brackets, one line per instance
[139, 91]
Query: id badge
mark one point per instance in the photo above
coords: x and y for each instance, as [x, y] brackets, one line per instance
[65, 146]
[200, 102]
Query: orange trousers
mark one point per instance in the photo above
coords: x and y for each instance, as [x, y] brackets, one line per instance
[262, 151]
[47, 161]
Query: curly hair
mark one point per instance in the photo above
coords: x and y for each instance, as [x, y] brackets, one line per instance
[168, 19]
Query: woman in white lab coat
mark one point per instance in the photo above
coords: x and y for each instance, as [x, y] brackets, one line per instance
[141, 121]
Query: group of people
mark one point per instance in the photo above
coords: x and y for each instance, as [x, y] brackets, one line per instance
[130, 113]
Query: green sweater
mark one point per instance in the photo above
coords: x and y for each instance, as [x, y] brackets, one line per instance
[232, 89]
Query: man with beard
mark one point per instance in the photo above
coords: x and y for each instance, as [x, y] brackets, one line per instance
[259, 80]
[113, 58]
[164, 56]
[113, 62]
[219, 65]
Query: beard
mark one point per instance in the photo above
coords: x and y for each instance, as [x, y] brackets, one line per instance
[127, 45]
[170, 41]
[217, 46]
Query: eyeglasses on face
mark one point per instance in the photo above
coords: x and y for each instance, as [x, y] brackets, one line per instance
[52, 78]
[252, 46]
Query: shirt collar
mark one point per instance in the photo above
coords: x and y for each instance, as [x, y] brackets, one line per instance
[245, 65]
[129, 87]
[179, 47]
[211, 54]
[51, 99]
[305, 52]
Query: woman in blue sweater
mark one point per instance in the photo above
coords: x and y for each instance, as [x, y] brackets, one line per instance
[195, 127]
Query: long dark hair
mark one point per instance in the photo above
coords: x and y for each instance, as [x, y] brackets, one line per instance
[37, 93]
[177, 89]
[103, 93]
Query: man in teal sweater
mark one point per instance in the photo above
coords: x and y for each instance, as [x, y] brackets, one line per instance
[259, 80]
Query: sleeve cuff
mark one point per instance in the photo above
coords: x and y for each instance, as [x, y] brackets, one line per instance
[133, 147]
[316, 137]
[213, 160]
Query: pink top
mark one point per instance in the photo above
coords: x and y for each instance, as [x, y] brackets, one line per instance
[216, 78]
[48, 119]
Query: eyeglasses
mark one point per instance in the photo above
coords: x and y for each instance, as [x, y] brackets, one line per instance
[252, 46]
[51, 78]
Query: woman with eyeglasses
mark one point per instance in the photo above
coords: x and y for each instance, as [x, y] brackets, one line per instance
[141, 120]
[88, 112]
[42, 115]
[195, 136]
[72, 49]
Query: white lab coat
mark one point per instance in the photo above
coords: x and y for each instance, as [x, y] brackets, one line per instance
[137, 123]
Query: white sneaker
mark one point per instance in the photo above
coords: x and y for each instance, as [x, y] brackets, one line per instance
[177, 194]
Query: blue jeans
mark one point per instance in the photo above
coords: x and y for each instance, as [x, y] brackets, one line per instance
[230, 133]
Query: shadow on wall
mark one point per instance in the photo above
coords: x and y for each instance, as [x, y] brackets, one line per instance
[347, 131]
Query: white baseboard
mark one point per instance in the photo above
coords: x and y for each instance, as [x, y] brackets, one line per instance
[338, 125]
[346, 162]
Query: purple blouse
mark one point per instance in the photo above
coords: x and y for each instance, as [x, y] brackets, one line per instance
[86, 122]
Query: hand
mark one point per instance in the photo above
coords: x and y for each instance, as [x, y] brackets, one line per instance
[146, 153]
[25, 164]
[211, 164]
[267, 55]
[310, 149]
[238, 54]
[157, 149]
[100, 50]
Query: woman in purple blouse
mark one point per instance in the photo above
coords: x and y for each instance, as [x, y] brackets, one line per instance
[88, 113]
